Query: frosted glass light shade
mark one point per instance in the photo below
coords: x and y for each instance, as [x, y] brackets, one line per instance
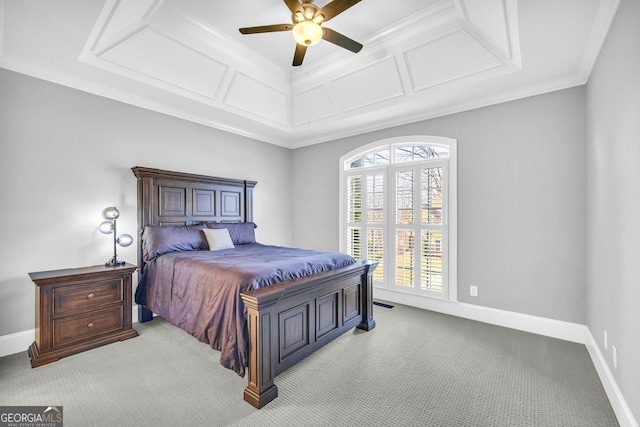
[106, 227]
[307, 33]
[125, 240]
[111, 213]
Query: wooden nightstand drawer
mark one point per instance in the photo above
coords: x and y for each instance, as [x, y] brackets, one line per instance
[80, 308]
[78, 328]
[72, 299]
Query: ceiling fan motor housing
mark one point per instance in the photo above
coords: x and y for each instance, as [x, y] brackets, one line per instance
[307, 14]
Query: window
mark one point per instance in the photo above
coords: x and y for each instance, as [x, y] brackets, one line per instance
[398, 208]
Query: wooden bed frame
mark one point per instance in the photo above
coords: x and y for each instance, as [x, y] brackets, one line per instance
[287, 321]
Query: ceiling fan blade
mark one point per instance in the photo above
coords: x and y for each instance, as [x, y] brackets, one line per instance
[340, 40]
[266, 29]
[294, 6]
[299, 55]
[335, 7]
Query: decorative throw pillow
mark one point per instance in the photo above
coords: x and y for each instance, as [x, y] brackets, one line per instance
[218, 239]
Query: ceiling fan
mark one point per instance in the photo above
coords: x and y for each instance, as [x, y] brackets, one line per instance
[307, 19]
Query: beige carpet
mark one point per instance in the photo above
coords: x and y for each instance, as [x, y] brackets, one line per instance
[417, 368]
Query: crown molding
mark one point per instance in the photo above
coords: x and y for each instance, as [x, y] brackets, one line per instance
[292, 140]
[604, 18]
[46, 74]
[562, 83]
[415, 105]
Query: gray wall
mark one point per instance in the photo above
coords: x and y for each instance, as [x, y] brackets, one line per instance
[521, 200]
[613, 200]
[65, 155]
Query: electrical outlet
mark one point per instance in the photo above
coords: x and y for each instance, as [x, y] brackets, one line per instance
[615, 356]
[473, 291]
[606, 341]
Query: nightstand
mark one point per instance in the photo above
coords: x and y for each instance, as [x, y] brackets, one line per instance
[80, 308]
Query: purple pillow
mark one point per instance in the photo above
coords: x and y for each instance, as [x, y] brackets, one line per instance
[158, 240]
[242, 233]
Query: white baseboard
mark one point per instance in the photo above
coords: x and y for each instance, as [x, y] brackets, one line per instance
[617, 400]
[20, 341]
[568, 331]
[16, 343]
[538, 325]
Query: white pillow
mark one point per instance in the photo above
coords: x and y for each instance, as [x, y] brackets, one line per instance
[218, 238]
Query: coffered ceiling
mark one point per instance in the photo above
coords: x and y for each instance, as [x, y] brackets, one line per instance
[421, 59]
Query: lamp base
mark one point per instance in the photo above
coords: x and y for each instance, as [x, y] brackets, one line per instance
[113, 262]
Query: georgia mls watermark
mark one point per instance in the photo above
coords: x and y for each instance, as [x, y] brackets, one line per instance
[30, 416]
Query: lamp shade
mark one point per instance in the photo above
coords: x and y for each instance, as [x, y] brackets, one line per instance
[111, 213]
[106, 227]
[125, 240]
[307, 33]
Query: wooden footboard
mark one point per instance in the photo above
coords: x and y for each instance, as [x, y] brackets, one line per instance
[289, 321]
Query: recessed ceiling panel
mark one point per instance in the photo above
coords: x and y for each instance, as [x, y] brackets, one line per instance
[447, 58]
[255, 97]
[161, 58]
[490, 17]
[125, 15]
[420, 60]
[377, 82]
[311, 105]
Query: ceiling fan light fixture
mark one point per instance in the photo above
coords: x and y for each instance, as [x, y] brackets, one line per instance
[307, 30]
[307, 33]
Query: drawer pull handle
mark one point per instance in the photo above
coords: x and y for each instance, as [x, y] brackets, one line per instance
[90, 325]
[91, 295]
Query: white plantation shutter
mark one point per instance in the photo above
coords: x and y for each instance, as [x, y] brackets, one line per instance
[404, 197]
[404, 258]
[404, 250]
[354, 211]
[419, 225]
[431, 261]
[375, 251]
[375, 198]
[431, 195]
[432, 228]
[365, 199]
[396, 213]
[354, 244]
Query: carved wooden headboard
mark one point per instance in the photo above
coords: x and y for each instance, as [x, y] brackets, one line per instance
[176, 198]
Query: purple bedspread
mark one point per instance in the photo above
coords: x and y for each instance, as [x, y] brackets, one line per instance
[199, 291]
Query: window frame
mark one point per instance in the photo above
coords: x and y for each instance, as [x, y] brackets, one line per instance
[449, 242]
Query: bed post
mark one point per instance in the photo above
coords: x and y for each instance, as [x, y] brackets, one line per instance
[367, 323]
[263, 337]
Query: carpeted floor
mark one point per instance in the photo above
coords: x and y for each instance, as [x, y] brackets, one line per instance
[416, 368]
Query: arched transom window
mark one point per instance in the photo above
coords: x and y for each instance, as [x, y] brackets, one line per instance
[396, 209]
